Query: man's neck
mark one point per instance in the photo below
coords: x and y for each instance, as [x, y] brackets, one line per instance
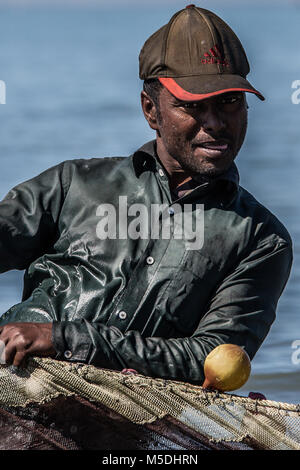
[176, 174]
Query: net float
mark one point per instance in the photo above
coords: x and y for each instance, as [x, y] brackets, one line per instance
[226, 368]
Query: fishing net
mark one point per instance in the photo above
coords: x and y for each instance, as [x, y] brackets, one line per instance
[51, 404]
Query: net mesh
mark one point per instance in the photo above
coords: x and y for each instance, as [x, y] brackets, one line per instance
[54, 404]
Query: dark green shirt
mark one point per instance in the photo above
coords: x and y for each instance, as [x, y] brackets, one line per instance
[151, 304]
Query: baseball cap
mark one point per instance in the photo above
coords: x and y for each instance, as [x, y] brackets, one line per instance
[196, 56]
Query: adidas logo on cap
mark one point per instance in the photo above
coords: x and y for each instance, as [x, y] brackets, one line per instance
[214, 56]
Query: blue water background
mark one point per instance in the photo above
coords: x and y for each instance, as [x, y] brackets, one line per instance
[73, 91]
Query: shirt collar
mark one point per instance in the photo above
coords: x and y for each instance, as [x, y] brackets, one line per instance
[145, 159]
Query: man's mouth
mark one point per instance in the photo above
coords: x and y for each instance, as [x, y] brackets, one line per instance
[214, 148]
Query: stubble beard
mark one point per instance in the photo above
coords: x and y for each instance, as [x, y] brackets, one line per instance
[201, 168]
[209, 169]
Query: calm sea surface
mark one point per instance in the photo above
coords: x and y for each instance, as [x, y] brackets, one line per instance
[72, 89]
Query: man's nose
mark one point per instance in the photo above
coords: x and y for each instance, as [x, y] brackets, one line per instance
[212, 120]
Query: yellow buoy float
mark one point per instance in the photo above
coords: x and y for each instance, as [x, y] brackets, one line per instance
[226, 368]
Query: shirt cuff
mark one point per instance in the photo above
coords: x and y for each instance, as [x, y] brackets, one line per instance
[71, 341]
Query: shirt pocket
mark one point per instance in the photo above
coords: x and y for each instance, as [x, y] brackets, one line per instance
[190, 291]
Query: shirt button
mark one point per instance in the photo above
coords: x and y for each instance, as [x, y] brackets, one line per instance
[150, 260]
[68, 354]
[161, 173]
[122, 315]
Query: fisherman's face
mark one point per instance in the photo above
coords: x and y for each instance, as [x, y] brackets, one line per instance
[203, 137]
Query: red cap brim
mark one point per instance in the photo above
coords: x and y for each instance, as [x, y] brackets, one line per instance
[176, 90]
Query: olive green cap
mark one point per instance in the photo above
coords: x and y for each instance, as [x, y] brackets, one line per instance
[196, 56]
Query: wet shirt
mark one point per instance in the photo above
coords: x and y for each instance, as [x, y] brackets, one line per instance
[121, 296]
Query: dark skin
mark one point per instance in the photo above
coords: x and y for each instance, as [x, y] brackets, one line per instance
[201, 137]
[26, 339]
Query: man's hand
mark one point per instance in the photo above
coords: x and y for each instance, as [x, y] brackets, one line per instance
[26, 339]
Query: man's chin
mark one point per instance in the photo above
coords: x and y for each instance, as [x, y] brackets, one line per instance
[208, 170]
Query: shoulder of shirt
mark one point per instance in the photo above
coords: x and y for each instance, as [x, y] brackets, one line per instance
[67, 167]
[81, 166]
[94, 161]
[268, 224]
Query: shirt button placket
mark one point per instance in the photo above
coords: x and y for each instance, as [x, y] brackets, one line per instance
[149, 260]
[122, 315]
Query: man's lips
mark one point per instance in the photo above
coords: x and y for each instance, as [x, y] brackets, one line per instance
[214, 148]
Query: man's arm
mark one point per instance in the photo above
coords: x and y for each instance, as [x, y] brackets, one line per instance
[28, 221]
[241, 312]
[28, 218]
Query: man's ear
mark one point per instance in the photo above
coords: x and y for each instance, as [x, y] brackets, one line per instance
[149, 110]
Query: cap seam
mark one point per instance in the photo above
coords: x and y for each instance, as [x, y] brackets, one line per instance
[211, 32]
[167, 32]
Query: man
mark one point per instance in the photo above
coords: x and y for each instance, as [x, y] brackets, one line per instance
[157, 304]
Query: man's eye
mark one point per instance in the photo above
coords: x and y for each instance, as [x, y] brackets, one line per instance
[191, 105]
[230, 99]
